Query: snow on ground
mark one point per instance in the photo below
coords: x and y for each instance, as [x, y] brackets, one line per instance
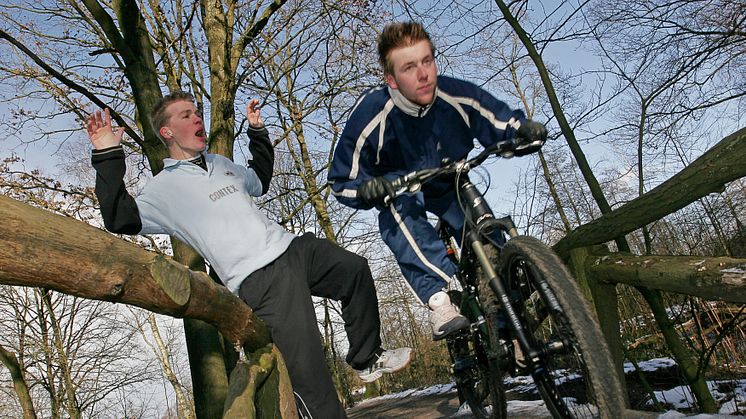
[437, 389]
[650, 365]
[679, 397]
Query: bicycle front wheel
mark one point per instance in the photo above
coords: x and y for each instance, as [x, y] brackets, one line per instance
[575, 375]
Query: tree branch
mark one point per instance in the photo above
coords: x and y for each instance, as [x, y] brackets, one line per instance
[71, 84]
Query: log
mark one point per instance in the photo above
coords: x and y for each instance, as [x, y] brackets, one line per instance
[711, 278]
[710, 173]
[41, 249]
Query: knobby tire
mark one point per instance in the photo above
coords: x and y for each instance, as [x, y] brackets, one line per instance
[528, 266]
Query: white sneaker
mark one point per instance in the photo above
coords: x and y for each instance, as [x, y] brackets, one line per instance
[391, 360]
[444, 316]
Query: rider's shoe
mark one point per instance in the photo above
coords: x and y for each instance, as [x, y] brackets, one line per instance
[444, 316]
[387, 361]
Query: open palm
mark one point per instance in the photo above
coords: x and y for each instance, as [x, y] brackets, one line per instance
[100, 131]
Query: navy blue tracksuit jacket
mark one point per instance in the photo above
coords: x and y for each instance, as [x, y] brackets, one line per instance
[387, 135]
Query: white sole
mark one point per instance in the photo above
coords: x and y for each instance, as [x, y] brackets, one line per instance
[369, 378]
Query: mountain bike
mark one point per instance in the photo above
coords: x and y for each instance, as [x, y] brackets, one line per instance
[525, 310]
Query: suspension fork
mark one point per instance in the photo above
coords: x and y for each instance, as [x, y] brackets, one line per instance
[499, 289]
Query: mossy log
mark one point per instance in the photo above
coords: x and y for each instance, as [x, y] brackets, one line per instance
[710, 173]
[710, 278]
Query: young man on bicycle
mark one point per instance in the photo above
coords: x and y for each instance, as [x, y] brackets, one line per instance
[413, 122]
[207, 201]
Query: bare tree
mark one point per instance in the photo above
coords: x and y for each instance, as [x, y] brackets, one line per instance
[72, 352]
[134, 44]
[165, 351]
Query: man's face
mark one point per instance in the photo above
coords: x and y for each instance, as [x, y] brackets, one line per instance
[415, 73]
[184, 131]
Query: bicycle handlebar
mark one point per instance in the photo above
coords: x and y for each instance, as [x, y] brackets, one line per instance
[412, 182]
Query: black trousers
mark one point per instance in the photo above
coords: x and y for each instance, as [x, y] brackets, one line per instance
[280, 295]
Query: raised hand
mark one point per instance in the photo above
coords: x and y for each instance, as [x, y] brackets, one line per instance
[253, 114]
[100, 132]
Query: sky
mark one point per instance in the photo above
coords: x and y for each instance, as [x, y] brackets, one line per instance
[504, 174]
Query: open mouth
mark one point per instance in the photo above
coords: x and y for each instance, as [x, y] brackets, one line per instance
[200, 133]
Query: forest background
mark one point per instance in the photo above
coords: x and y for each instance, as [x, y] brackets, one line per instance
[646, 87]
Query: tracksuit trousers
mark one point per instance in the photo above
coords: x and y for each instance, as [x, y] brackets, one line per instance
[419, 251]
[280, 294]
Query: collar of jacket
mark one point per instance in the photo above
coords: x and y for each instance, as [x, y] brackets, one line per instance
[170, 162]
[409, 107]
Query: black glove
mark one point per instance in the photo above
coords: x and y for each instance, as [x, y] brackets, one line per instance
[374, 192]
[529, 138]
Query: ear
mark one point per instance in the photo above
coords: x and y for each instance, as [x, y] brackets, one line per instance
[391, 81]
[165, 133]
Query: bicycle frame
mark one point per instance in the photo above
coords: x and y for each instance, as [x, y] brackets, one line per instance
[479, 223]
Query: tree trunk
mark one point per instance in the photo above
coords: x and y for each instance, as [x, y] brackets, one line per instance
[248, 383]
[696, 381]
[553, 193]
[19, 383]
[132, 43]
[218, 30]
[66, 375]
[207, 355]
[184, 408]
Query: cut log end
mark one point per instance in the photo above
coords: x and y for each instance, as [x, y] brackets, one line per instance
[172, 278]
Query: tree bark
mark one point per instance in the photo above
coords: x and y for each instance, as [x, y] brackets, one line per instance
[19, 382]
[710, 278]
